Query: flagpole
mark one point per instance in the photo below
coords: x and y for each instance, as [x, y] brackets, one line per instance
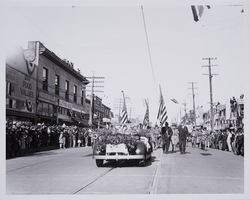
[123, 97]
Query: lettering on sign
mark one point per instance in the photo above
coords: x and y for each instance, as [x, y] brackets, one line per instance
[65, 104]
[26, 89]
[77, 110]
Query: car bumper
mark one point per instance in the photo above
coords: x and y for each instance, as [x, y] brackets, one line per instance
[119, 157]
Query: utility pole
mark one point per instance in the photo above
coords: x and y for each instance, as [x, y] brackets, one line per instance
[91, 103]
[185, 107]
[210, 75]
[193, 95]
[93, 86]
[180, 115]
[119, 108]
[185, 110]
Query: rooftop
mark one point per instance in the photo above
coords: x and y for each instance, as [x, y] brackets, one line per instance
[64, 64]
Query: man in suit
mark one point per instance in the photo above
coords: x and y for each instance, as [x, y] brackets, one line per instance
[166, 133]
[183, 132]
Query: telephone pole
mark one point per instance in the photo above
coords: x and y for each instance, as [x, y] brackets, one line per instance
[193, 95]
[117, 106]
[93, 86]
[210, 75]
[185, 110]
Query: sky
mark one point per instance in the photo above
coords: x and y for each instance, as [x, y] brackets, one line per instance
[110, 41]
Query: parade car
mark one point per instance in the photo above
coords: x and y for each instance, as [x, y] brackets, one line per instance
[124, 148]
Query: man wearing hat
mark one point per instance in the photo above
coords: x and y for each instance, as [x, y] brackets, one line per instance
[183, 132]
[166, 133]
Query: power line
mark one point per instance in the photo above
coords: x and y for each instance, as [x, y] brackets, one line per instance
[147, 39]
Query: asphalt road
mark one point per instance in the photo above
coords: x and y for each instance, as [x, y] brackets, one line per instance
[73, 171]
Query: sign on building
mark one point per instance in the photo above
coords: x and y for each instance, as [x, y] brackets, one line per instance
[20, 83]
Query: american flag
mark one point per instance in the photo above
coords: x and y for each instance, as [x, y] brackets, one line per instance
[162, 112]
[146, 117]
[124, 117]
[198, 11]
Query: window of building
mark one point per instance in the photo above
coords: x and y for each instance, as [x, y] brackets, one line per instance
[57, 84]
[82, 97]
[67, 90]
[75, 93]
[45, 79]
[9, 88]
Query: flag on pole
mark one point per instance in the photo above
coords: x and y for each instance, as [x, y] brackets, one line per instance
[198, 11]
[146, 117]
[124, 117]
[162, 112]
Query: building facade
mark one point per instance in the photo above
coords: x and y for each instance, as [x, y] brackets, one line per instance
[44, 88]
[102, 113]
[20, 88]
[226, 115]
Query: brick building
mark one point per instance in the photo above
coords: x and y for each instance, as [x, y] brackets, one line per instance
[48, 89]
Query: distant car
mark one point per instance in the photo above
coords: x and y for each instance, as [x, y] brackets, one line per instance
[139, 152]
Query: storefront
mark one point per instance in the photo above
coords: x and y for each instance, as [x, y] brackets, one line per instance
[20, 88]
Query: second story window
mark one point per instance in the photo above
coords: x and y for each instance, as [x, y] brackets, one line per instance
[9, 88]
[57, 84]
[82, 97]
[75, 93]
[67, 90]
[45, 79]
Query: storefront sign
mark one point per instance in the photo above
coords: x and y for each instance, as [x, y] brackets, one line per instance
[78, 110]
[22, 83]
[65, 104]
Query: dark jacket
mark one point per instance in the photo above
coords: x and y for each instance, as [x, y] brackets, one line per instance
[183, 133]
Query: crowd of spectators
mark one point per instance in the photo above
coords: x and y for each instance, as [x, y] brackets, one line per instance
[229, 139]
[24, 137]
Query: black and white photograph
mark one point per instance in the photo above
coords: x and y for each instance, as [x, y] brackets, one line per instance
[138, 98]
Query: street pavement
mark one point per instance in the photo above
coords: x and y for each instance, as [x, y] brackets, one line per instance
[73, 171]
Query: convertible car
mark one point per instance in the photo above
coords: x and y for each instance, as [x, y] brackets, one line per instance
[137, 148]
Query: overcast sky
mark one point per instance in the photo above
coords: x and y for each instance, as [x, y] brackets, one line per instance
[110, 41]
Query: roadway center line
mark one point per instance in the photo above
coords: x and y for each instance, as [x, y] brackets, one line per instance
[94, 180]
[153, 186]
